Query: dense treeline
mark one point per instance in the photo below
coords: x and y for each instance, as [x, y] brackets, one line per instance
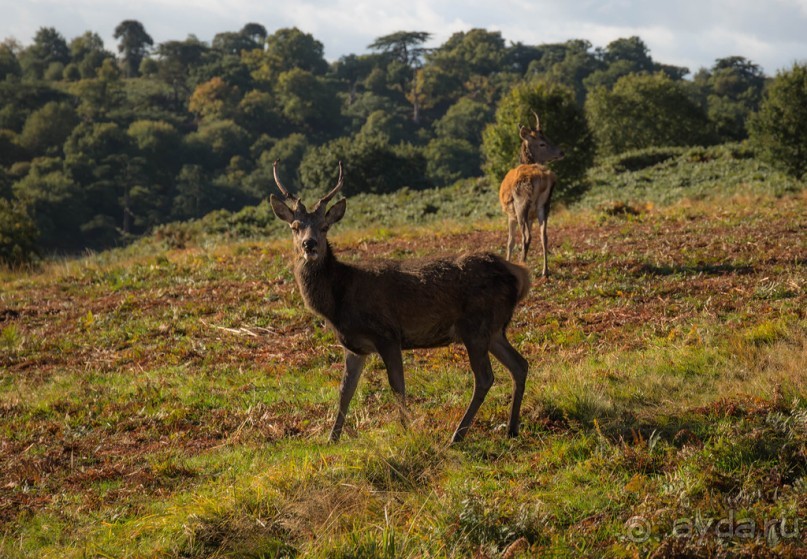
[96, 147]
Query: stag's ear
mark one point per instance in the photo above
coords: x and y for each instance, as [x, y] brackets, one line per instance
[282, 211]
[523, 132]
[336, 212]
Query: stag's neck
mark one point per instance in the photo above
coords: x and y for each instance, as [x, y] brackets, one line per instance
[319, 282]
[526, 156]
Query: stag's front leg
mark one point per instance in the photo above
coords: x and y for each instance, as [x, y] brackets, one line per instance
[354, 364]
[523, 218]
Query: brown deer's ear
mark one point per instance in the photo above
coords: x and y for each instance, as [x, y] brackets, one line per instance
[282, 211]
[336, 212]
[523, 132]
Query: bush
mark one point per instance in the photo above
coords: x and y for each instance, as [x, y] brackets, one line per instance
[562, 120]
[643, 111]
[779, 129]
[18, 234]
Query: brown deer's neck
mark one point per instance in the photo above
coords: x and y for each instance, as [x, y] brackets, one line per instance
[318, 282]
[525, 157]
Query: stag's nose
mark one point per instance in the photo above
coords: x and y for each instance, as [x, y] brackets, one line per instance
[309, 245]
[562, 155]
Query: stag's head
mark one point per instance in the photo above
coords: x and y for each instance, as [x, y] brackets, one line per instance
[535, 143]
[309, 229]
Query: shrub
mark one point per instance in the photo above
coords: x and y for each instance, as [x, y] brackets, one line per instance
[562, 119]
[779, 129]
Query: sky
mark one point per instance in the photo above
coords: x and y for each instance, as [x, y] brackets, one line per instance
[691, 33]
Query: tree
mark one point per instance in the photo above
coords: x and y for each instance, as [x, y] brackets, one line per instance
[464, 120]
[450, 159]
[562, 120]
[18, 234]
[214, 99]
[134, 45]
[370, 162]
[49, 47]
[308, 100]
[645, 110]
[46, 129]
[732, 91]
[404, 58]
[288, 49]
[779, 129]
[87, 52]
[9, 63]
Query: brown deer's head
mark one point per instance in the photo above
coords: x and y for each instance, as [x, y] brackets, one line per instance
[535, 146]
[308, 228]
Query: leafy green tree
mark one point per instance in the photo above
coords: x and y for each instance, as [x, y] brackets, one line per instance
[46, 129]
[643, 111]
[178, 60]
[133, 46]
[214, 99]
[450, 67]
[450, 159]
[563, 122]
[288, 49]
[97, 157]
[18, 234]
[87, 53]
[371, 165]
[732, 91]
[404, 55]
[779, 129]
[49, 47]
[464, 120]
[216, 143]
[10, 149]
[9, 63]
[55, 200]
[577, 63]
[308, 100]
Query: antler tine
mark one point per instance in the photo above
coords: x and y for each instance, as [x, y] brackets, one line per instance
[280, 184]
[537, 121]
[325, 199]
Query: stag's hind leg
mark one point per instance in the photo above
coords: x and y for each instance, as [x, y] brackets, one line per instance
[543, 216]
[512, 232]
[483, 379]
[515, 363]
[522, 209]
[390, 353]
[354, 364]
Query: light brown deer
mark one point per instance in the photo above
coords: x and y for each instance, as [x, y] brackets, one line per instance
[526, 191]
[388, 306]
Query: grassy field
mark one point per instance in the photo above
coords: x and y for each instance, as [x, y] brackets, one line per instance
[175, 402]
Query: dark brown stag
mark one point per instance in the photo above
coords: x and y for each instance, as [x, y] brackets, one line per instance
[387, 306]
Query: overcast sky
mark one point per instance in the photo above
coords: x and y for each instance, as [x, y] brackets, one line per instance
[690, 33]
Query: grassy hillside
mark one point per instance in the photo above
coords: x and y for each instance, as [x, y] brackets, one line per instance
[175, 402]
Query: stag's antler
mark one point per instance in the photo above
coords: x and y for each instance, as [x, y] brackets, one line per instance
[537, 121]
[280, 184]
[327, 198]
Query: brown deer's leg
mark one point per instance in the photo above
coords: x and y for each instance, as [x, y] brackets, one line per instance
[390, 353]
[483, 380]
[512, 224]
[542, 221]
[518, 367]
[523, 216]
[353, 367]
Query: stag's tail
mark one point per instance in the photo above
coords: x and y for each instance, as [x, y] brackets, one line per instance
[522, 279]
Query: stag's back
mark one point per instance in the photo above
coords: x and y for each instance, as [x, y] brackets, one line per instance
[530, 184]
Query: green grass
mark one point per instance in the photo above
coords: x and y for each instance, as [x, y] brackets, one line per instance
[175, 402]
